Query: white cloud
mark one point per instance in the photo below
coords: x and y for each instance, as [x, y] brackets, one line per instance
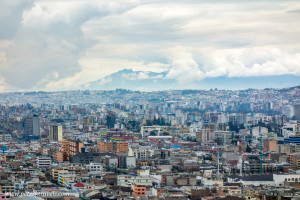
[64, 44]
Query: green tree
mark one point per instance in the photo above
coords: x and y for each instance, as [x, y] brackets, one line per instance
[248, 149]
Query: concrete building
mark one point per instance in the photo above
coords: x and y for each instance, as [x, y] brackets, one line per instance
[140, 152]
[43, 162]
[130, 162]
[115, 147]
[86, 158]
[56, 132]
[205, 135]
[66, 176]
[270, 145]
[94, 168]
[32, 126]
[125, 180]
[56, 172]
[5, 137]
[297, 111]
[71, 148]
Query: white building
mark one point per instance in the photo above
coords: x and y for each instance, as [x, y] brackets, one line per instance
[140, 152]
[43, 161]
[113, 162]
[125, 180]
[130, 162]
[280, 179]
[66, 177]
[20, 187]
[94, 168]
[269, 180]
[257, 131]
[5, 138]
[288, 110]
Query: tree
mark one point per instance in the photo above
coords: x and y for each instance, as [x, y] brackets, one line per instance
[153, 133]
[110, 120]
[218, 141]
[163, 122]
[248, 149]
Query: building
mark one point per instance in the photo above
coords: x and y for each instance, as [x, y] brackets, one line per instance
[71, 148]
[66, 177]
[56, 132]
[270, 145]
[205, 135]
[115, 147]
[130, 162]
[113, 162]
[85, 158]
[5, 137]
[94, 168]
[292, 139]
[125, 180]
[140, 152]
[56, 172]
[20, 187]
[43, 162]
[139, 190]
[297, 111]
[158, 139]
[32, 126]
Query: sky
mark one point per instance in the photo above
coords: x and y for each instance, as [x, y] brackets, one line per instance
[62, 44]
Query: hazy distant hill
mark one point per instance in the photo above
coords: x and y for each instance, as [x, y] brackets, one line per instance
[143, 80]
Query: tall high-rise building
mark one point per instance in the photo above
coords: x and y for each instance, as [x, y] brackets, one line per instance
[297, 111]
[56, 132]
[32, 126]
[206, 134]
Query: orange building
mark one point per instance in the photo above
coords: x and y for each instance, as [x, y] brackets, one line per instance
[139, 190]
[294, 159]
[270, 145]
[105, 146]
[122, 147]
[116, 147]
[3, 158]
[58, 156]
[70, 148]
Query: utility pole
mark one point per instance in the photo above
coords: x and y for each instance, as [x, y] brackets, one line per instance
[260, 154]
[218, 164]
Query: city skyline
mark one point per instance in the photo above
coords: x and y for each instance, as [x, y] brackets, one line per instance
[63, 45]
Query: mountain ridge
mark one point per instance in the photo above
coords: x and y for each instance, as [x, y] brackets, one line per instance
[151, 81]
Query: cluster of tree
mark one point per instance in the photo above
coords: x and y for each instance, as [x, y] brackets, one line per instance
[155, 132]
[133, 126]
[158, 121]
[248, 149]
[110, 120]
[234, 127]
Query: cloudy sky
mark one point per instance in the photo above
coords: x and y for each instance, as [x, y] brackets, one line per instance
[62, 44]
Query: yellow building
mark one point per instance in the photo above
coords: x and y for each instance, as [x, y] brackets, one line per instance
[55, 173]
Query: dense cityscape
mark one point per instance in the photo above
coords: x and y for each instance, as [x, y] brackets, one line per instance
[175, 144]
[149, 100]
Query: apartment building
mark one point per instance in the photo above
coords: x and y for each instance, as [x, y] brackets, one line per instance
[116, 147]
